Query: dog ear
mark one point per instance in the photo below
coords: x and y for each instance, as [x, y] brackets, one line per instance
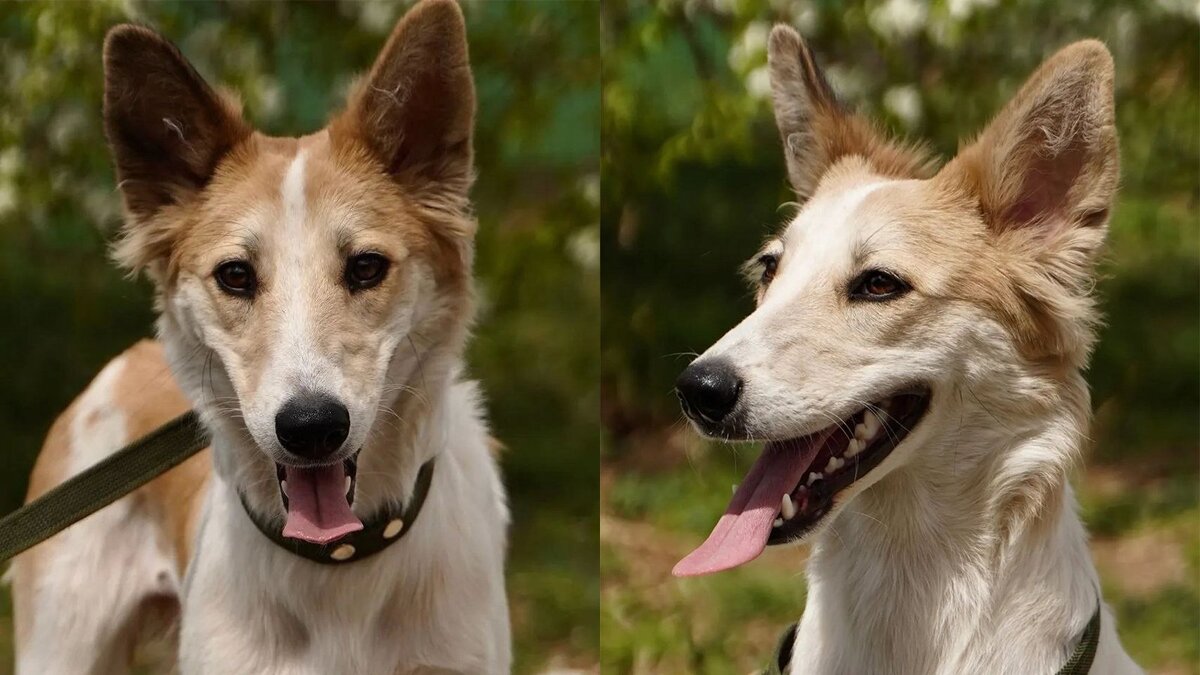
[817, 129]
[1043, 175]
[415, 111]
[1049, 159]
[166, 127]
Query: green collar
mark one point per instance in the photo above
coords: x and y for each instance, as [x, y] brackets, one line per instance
[380, 531]
[1079, 663]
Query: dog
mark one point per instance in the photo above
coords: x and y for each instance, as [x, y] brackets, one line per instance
[914, 367]
[315, 296]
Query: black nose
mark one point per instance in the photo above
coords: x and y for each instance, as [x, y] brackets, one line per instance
[312, 425]
[708, 389]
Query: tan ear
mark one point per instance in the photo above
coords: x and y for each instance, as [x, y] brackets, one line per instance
[166, 127]
[817, 129]
[415, 111]
[1044, 174]
[1049, 160]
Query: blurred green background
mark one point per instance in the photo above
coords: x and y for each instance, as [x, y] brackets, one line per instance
[693, 180]
[537, 70]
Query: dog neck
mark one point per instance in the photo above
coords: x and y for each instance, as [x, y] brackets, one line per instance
[972, 549]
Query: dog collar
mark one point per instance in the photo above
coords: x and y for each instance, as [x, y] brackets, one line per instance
[1079, 663]
[380, 531]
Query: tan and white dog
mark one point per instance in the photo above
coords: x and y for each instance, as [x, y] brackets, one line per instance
[315, 297]
[914, 367]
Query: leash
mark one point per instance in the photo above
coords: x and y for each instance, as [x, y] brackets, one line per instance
[380, 531]
[115, 476]
[1079, 663]
[158, 452]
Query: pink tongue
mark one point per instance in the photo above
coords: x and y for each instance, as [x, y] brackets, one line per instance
[742, 533]
[318, 511]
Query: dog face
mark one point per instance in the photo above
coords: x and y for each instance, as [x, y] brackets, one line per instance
[306, 284]
[895, 287]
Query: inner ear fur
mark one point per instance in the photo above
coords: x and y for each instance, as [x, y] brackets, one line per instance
[818, 130]
[414, 112]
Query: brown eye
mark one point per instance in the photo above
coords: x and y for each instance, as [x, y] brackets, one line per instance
[236, 278]
[877, 285]
[769, 262]
[365, 271]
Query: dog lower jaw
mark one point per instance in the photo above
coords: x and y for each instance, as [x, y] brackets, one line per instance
[867, 438]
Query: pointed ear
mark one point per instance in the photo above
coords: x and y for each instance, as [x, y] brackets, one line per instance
[817, 129]
[415, 111]
[1049, 159]
[166, 127]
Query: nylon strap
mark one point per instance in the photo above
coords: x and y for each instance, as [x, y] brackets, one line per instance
[380, 531]
[115, 476]
[1079, 663]
[1085, 652]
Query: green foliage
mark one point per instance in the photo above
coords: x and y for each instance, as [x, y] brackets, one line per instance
[537, 70]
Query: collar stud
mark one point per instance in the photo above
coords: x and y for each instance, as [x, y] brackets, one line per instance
[393, 528]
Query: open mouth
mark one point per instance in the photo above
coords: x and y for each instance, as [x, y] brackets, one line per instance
[318, 500]
[794, 483]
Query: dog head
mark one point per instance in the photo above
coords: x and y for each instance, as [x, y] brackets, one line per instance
[896, 287]
[307, 285]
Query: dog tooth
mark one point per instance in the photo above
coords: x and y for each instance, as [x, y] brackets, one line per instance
[349, 482]
[283, 487]
[834, 464]
[733, 488]
[872, 423]
[814, 477]
[786, 507]
[854, 447]
[778, 522]
[860, 431]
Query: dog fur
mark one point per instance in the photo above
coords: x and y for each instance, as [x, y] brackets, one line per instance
[962, 551]
[390, 174]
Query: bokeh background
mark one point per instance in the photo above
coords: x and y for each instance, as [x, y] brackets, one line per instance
[693, 178]
[66, 310]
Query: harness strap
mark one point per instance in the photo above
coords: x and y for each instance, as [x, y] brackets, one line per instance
[380, 531]
[1080, 662]
[115, 476]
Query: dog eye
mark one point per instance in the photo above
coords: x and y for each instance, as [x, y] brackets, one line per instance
[877, 285]
[365, 271]
[236, 277]
[769, 262]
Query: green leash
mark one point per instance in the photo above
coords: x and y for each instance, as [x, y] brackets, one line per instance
[115, 476]
[1079, 663]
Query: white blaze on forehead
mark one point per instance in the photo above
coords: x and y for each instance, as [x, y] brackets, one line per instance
[295, 352]
[292, 191]
[822, 237]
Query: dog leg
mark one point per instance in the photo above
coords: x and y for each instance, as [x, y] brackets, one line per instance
[89, 597]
